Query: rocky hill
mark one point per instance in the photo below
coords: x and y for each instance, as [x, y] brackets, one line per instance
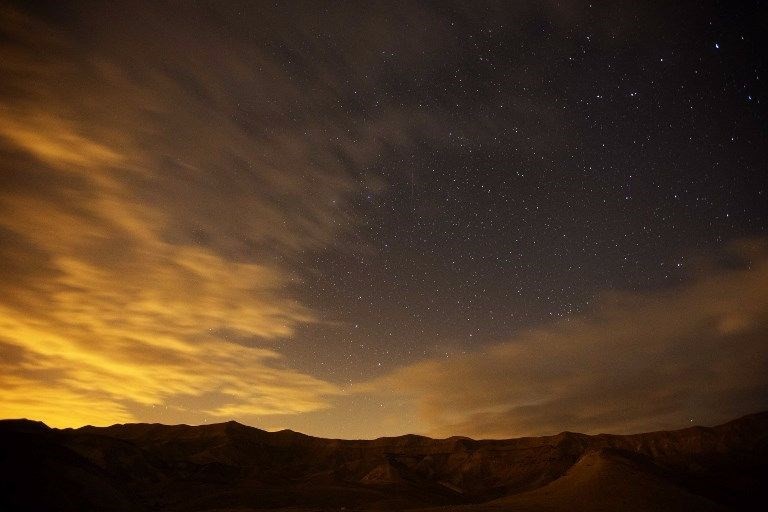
[229, 466]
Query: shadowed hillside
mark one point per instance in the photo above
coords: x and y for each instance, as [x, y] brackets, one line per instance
[230, 466]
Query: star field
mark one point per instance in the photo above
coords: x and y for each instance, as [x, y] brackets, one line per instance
[564, 161]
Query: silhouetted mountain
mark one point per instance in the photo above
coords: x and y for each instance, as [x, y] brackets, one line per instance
[229, 466]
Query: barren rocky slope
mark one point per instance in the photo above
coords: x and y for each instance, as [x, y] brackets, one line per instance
[229, 466]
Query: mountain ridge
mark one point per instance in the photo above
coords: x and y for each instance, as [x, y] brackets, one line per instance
[231, 466]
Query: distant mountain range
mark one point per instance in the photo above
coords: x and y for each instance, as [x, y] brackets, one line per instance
[232, 467]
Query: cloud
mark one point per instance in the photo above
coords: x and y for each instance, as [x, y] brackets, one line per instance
[697, 352]
[152, 195]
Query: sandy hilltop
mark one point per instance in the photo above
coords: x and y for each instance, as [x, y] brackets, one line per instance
[229, 466]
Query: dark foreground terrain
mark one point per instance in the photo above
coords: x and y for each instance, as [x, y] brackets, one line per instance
[232, 467]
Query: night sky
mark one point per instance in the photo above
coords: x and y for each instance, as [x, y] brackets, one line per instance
[363, 219]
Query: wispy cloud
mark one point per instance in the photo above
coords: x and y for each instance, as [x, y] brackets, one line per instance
[697, 353]
[145, 218]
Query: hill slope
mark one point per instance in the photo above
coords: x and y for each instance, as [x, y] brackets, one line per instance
[229, 466]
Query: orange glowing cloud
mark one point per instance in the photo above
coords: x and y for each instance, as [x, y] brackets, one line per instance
[139, 323]
[124, 206]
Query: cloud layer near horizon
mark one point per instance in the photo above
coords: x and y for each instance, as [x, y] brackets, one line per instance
[696, 353]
